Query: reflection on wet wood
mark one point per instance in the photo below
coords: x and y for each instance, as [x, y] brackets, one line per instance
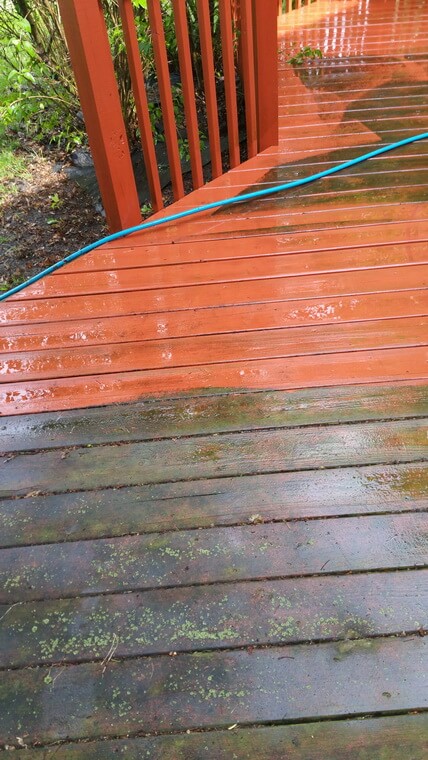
[342, 261]
[180, 568]
[232, 454]
[208, 690]
[217, 555]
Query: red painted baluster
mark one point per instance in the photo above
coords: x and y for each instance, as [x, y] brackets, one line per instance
[209, 86]
[140, 96]
[265, 22]
[248, 75]
[90, 54]
[165, 93]
[229, 80]
[186, 73]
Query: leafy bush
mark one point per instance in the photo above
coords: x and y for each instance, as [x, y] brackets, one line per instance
[305, 54]
[38, 95]
[37, 91]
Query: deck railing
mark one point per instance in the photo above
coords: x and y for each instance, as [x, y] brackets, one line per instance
[248, 30]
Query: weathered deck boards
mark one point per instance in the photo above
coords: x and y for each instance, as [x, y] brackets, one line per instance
[323, 286]
[213, 617]
[242, 453]
[394, 738]
[203, 415]
[240, 571]
[115, 624]
[211, 689]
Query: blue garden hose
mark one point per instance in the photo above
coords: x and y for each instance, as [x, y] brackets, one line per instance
[209, 206]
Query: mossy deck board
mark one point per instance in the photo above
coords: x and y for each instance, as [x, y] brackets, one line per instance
[216, 414]
[215, 689]
[232, 454]
[213, 617]
[182, 558]
[213, 502]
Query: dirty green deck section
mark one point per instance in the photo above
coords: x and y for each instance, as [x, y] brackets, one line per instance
[248, 568]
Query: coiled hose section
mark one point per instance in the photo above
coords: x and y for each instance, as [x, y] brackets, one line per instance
[208, 206]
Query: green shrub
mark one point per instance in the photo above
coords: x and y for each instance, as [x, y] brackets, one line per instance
[38, 95]
[37, 92]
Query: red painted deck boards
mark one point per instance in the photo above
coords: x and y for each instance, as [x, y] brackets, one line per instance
[325, 285]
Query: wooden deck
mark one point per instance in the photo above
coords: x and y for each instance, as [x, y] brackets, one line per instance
[321, 286]
[233, 564]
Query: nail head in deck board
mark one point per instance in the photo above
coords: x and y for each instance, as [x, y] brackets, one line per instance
[402, 737]
[207, 457]
[214, 617]
[215, 502]
[215, 555]
[199, 415]
[214, 690]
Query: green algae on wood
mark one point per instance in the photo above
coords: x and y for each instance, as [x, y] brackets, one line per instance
[201, 415]
[235, 454]
[243, 614]
[212, 690]
[202, 503]
[219, 554]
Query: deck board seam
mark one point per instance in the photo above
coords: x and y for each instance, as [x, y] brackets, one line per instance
[387, 512]
[12, 454]
[248, 725]
[409, 634]
[226, 582]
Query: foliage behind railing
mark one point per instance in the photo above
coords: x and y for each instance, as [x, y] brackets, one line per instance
[285, 6]
[194, 65]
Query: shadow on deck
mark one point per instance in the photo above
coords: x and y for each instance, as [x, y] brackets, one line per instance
[238, 567]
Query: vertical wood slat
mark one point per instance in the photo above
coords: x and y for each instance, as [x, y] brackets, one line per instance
[209, 85]
[236, 23]
[265, 20]
[226, 30]
[90, 54]
[248, 75]
[186, 75]
[165, 93]
[141, 103]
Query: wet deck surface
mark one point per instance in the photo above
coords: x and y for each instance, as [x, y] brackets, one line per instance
[233, 576]
[239, 571]
[322, 286]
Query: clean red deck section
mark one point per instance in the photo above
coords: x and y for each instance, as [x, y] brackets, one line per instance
[324, 285]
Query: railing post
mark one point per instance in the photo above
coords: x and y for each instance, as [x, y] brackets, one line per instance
[265, 15]
[90, 54]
